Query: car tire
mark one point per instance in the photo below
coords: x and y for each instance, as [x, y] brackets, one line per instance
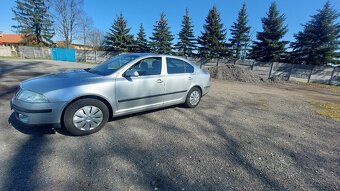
[193, 97]
[85, 116]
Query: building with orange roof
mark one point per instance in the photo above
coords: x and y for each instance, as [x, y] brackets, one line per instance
[11, 40]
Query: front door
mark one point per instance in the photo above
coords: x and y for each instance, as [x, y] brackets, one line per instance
[143, 91]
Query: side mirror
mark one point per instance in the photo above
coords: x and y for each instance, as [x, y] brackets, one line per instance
[131, 73]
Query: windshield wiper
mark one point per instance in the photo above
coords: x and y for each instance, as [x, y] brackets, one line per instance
[88, 70]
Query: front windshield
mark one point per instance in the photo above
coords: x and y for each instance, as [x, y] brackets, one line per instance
[112, 65]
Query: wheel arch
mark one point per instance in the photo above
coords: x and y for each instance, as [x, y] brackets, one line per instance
[199, 87]
[107, 103]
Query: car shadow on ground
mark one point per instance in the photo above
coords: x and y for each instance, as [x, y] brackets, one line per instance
[53, 129]
[112, 119]
[23, 166]
[30, 130]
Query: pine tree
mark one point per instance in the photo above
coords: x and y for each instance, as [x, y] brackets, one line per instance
[269, 46]
[212, 42]
[119, 39]
[161, 40]
[187, 41]
[317, 43]
[240, 40]
[141, 41]
[336, 58]
[34, 21]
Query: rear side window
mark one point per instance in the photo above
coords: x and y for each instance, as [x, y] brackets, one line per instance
[148, 66]
[176, 66]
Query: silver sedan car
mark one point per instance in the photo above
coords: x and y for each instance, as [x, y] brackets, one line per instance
[82, 101]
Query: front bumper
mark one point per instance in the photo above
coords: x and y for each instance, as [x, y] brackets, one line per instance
[37, 113]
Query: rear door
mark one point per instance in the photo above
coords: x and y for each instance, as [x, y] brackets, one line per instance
[143, 91]
[178, 80]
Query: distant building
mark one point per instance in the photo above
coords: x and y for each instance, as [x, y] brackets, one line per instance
[11, 40]
[61, 44]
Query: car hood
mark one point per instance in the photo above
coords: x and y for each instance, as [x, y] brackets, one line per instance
[50, 82]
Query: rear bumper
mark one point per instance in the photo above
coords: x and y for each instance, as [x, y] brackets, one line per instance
[205, 90]
[37, 113]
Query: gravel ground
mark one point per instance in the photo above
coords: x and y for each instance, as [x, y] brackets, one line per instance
[241, 137]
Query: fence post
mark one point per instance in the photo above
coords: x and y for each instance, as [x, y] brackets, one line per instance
[310, 74]
[330, 79]
[290, 72]
[270, 71]
[252, 65]
[85, 55]
[16, 50]
[201, 63]
[33, 52]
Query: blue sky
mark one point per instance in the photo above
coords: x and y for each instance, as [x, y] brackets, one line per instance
[103, 12]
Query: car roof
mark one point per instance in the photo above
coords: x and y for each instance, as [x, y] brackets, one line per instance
[140, 55]
[152, 54]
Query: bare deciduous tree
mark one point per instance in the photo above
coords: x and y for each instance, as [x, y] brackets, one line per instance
[85, 27]
[67, 15]
[96, 39]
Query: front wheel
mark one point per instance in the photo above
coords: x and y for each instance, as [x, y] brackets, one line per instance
[193, 97]
[85, 116]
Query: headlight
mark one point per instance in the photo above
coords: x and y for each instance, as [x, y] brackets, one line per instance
[32, 97]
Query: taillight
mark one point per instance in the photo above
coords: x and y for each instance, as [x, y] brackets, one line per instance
[17, 91]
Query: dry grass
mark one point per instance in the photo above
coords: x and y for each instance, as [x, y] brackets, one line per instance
[330, 110]
[317, 85]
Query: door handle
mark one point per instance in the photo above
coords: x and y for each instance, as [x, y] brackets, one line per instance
[159, 81]
[190, 78]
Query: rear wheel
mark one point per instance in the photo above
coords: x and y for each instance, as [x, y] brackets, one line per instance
[85, 116]
[193, 97]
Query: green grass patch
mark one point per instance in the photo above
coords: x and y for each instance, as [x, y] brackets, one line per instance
[20, 58]
[91, 63]
[11, 58]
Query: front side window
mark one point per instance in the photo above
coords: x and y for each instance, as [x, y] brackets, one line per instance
[148, 66]
[177, 66]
